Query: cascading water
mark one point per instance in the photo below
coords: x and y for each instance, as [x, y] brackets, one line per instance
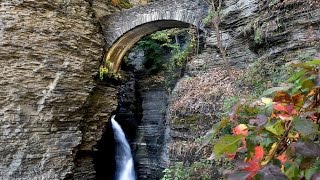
[124, 161]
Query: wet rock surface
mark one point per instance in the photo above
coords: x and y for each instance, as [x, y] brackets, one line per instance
[143, 99]
[152, 134]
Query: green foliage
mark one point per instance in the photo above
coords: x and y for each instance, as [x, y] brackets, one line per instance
[103, 71]
[207, 20]
[227, 144]
[180, 56]
[279, 140]
[161, 43]
[261, 75]
[162, 36]
[153, 52]
[273, 2]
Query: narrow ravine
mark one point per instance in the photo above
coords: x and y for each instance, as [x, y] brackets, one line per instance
[124, 161]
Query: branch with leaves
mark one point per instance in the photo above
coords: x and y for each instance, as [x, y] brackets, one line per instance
[280, 139]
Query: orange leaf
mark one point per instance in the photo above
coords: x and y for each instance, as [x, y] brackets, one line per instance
[258, 153]
[254, 164]
[282, 158]
[240, 129]
[312, 93]
[253, 167]
[282, 96]
[231, 155]
[297, 99]
[115, 2]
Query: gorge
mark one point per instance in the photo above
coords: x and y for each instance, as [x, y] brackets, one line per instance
[54, 109]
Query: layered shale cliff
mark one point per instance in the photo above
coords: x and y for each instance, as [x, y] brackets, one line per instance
[49, 55]
[53, 108]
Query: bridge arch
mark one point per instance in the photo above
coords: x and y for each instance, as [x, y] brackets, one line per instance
[123, 29]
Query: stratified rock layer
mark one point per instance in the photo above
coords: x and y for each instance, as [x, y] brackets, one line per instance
[49, 55]
[51, 110]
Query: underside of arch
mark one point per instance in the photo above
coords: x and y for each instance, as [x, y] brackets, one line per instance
[117, 51]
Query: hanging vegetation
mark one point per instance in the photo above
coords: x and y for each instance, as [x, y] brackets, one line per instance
[174, 43]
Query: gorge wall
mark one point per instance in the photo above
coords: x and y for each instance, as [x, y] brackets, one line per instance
[50, 52]
[52, 108]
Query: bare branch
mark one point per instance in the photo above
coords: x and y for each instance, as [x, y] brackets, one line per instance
[215, 23]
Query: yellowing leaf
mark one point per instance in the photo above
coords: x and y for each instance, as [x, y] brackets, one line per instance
[266, 100]
[313, 62]
[227, 144]
[275, 128]
[282, 96]
[268, 158]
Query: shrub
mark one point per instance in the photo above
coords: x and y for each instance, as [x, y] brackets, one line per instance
[276, 137]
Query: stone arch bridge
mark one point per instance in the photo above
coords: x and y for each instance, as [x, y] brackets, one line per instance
[123, 29]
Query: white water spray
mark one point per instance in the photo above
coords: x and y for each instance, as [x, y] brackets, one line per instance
[124, 161]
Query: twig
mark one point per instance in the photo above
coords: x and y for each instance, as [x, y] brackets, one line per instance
[215, 25]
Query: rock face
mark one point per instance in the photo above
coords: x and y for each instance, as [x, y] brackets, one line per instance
[50, 52]
[152, 135]
[52, 111]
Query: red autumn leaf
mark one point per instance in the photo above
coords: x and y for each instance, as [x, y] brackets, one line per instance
[240, 129]
[253, 167]
[282, 158]
[288, 108]
[287, 111]
[258, 153]
[231, 155]
[280, 107]
[254, 164]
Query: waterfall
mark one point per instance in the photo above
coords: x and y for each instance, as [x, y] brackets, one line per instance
[124, 161]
